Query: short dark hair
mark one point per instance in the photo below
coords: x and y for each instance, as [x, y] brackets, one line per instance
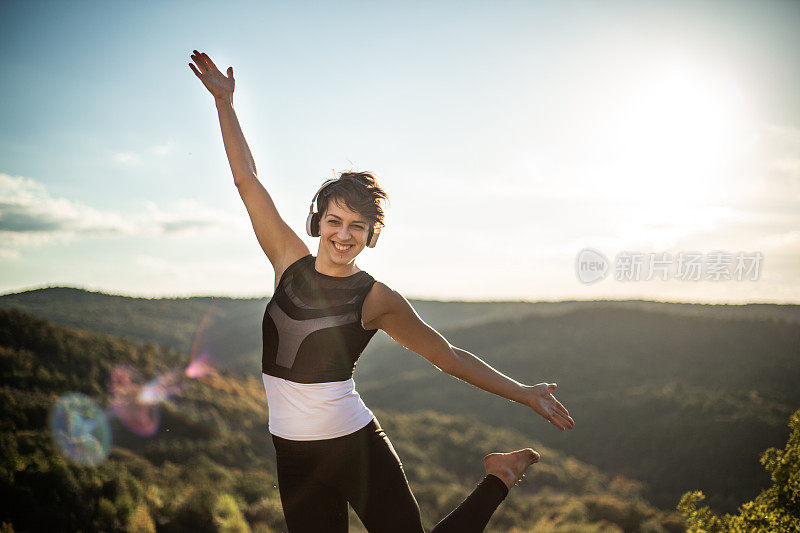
[360, 192]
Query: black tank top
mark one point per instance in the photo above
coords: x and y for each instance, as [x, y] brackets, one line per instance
[312, 328]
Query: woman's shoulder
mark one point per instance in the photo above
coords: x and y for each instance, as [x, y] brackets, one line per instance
[380, 290]
[292, 263]
[381, 299]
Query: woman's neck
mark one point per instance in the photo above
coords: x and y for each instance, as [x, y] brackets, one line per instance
[329, 268]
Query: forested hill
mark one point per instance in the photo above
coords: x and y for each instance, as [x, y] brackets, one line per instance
[231, 327]
[671, 394]
[210, 466]
[675, 400]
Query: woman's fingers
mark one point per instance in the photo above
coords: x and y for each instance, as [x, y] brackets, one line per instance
[558, 410]
[561, 419]
[203, 61]
[566, 417]
[200, 63]
[211, 64]
[195, 70]
[552, 410]
[561, 408]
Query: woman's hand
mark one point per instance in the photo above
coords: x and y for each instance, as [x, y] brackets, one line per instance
[218, 84]
[544, 403]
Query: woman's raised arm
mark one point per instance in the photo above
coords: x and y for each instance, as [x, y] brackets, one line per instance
[281, 245]
[221, 87]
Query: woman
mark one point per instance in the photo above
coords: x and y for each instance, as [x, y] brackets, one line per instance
[329, 446]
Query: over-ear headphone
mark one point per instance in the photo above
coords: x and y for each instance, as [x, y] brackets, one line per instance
[312, 221]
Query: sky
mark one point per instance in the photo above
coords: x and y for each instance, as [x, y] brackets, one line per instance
[525, 146]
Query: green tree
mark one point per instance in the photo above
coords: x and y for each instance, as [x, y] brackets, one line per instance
[228, 517]
[775, 509]
[140, 520]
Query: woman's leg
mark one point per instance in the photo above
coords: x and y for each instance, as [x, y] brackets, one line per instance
[373, 481]
[310, 503]
[474, 513]
[379, 493]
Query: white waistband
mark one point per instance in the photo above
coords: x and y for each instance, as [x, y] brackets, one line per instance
[313, 411]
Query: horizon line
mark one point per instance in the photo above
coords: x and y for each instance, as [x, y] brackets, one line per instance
[427, 299]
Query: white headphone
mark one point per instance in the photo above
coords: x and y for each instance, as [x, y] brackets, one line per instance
[312, 221]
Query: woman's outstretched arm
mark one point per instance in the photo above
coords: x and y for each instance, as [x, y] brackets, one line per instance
[279, 242]
[398, 319]
[221, 88]
[472, 369]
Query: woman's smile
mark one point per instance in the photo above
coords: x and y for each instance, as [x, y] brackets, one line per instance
[341, 248]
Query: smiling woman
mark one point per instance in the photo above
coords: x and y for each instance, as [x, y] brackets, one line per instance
[349, 216]
[330, 447]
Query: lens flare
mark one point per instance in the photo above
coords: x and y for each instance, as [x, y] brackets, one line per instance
[125, 387]
[200, 367]
[80, 429]
[162, 387]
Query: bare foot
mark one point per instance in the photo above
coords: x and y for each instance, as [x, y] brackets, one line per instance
[510, 467]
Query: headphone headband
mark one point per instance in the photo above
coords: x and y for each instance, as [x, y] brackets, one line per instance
[316, 194]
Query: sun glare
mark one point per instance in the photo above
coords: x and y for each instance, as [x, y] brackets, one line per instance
[671, 144]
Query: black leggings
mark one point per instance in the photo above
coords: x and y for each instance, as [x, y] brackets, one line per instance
[317, 479]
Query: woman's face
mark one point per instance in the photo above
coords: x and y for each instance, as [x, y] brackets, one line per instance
[339, 225]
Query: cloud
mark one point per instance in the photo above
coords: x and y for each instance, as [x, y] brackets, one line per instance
[126, 158]
[773, 171]
[199, 270]
[134, 158]
[9, 254]
[164, 149]
[29, 216]
[756, 211]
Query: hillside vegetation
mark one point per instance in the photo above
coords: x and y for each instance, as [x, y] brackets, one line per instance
[211, 466]
[669, 399]
[669, 394]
